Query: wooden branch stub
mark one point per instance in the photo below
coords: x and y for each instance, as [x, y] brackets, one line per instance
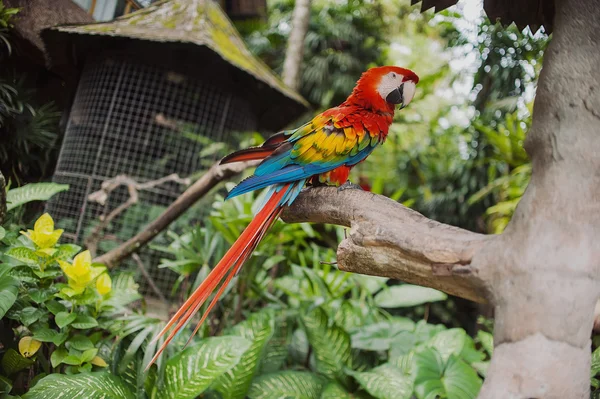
[388, 239]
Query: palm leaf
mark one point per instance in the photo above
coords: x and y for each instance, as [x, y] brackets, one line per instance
[191, 372]
[258, 330]
[81, 386]
[287, 385]
[331, 344]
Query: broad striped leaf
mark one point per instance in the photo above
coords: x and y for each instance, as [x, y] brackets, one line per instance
[80, 386]
[258, 329]
[9, 287]
[32, 192]
[385, 382]
[277, 350]
[287, 385]
[333, 390]
[191, 372]
[330, 343]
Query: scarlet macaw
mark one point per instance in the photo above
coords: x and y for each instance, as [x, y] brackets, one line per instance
[323, 150]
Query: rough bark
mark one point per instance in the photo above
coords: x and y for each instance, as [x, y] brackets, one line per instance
[216, 174]
[542, 273]
[295, 50]
[544, 268]
[388, 239]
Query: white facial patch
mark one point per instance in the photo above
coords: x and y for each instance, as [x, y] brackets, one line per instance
[389, 83]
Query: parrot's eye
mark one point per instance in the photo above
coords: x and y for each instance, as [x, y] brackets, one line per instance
[393, 75]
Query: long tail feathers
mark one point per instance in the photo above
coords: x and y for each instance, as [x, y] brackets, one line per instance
[231, 263]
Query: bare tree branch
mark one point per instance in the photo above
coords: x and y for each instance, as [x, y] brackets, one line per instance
[216, 174]
[108, 186]
[388, 239]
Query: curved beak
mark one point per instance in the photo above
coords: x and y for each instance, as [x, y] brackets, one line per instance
[396, 96]
[402, 94]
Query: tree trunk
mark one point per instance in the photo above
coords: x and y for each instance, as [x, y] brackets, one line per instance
[544, 268]
[295, 50]
[542, 274]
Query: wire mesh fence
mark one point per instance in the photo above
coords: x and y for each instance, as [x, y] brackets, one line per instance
[145, 122]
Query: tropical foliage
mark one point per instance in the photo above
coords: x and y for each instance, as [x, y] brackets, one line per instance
[28, 131]
[291, 325]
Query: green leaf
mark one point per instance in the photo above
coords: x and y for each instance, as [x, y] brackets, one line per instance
[63, 319]
[331, 344]
[5, 387]
[84, 322]
[30, 315]
[191, 372]
[80, 386]
[12, 362]
[460, 380]
[24, 274]
[67, 251]
[24, 254]
[80, 343]
[49, 335]
[595, 362]
[9, 287]
[288, 385]
[32, 192]
[407, 295]
[41, 295]
[379, 336]
[333, 390]
[453, 380]
[385, 382]
[258, 329]
[58, 356]
[2, 233]
[55, 307]
[88, 355]
[449, 342]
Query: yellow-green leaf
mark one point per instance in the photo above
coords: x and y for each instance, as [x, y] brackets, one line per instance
[29, 346]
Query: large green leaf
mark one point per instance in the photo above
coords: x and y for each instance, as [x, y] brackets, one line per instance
[32, 192]
[9, 287]
[277, 350]
[449, 342]
[258, 329]
[330, 343]
[385, 382]
[287, 385]
[81, 386]
[191, 372]
[333, 390]
[12, 362]
[379, 336]
[453, 379]
[406, 295]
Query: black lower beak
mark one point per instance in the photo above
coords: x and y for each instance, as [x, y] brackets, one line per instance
[396, 96]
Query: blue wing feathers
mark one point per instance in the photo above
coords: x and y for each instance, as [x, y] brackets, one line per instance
[271, 174]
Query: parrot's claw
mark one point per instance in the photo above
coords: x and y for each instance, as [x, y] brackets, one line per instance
[349, 186]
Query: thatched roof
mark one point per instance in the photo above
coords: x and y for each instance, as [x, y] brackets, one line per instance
[36, 15]
[532, 13]
[189, 27]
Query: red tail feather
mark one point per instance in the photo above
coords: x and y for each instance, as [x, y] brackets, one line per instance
[232, 262]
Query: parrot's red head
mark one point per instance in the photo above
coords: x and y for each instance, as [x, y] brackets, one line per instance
[382, 88]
